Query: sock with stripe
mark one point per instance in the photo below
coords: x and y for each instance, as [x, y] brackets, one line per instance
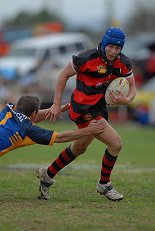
[108, 163]
[65, 158]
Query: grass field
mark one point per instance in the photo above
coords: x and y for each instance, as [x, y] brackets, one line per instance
[74, 204]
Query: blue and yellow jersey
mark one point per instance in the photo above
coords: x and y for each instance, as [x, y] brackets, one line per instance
[17, 130]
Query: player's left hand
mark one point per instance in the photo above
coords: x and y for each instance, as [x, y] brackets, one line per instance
[118, 98]
[55, 111]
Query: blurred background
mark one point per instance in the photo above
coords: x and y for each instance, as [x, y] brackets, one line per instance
[38, 38]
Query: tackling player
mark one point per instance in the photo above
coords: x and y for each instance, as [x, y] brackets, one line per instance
[17, 127]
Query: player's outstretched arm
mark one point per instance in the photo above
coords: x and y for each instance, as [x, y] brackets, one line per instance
[94, 127]
[42, 114]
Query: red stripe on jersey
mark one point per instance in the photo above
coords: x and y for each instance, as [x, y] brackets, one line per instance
[125, 70]
[90, 64]
[90, 81]
[82, 98]
[74, 116]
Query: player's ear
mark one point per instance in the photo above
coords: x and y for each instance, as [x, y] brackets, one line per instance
[33, 115]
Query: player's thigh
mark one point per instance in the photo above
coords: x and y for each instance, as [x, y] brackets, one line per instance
[80, 146]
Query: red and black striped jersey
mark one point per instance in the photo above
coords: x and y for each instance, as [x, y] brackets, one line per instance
[93, 76]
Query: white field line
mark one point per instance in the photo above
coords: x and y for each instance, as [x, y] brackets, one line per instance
[86, 167]
[122, 168]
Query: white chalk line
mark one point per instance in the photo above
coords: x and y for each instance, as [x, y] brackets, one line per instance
[85, 167]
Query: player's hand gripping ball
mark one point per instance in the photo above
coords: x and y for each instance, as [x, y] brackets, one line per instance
[117, 85]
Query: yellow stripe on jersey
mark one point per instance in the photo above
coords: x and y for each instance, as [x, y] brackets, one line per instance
[11, 141]
[8, 116]
[21, 143]
[16, 137]
[26, 142]
[53, 138]
[19, 137]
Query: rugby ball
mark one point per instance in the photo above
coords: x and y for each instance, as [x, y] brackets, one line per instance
[117, 85]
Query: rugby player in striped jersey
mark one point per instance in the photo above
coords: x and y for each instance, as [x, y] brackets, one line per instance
[94, 70]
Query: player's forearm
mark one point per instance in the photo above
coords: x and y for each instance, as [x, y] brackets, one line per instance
[71, 135]
[41, 115]
[132, 94]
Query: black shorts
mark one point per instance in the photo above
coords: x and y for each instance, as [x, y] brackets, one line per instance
[96, 111]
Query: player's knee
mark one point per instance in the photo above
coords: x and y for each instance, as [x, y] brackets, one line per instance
[78, 150]
[117, 146]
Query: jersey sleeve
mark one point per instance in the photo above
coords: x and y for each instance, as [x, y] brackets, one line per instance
[79, 61]
[126, 68]
[42, 136]
[76, 63]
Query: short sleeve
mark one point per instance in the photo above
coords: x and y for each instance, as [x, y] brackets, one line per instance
[42, 136]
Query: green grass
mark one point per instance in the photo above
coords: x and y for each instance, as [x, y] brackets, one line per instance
[74, 204]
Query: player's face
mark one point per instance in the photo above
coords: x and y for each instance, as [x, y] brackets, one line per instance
[112, 51]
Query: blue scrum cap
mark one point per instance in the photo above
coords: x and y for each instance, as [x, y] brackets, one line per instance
[113, 36]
